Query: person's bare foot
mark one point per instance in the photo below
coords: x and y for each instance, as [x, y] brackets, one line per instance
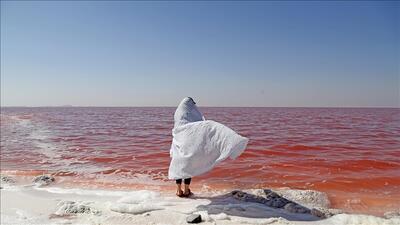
[179, 193]
[187, 192]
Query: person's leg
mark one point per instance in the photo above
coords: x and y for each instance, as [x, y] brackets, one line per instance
[187, 184]
[179, 191]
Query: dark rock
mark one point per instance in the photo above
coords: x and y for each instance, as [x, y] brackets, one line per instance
[279, 202]
[269, 192]
[274, 200]
[43, 179]
[296, 208]
[194, 218]
[324, 212]
[7, 179]
[234, 192]
[243, 196]
[318, 213]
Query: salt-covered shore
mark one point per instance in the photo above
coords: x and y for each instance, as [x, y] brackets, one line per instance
[44, 203]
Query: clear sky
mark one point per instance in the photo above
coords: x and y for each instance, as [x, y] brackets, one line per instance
[130, 53]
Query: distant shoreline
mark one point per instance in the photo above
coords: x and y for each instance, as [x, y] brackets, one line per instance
[277, 107]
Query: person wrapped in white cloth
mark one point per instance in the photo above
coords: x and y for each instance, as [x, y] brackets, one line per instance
[198, 145]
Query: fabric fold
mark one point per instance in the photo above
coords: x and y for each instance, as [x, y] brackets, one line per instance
[198, 144]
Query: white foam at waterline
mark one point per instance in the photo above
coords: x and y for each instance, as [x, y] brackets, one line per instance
[134, 209]
[138, 197]
[13, 187]
[147, 180]
[107, 193]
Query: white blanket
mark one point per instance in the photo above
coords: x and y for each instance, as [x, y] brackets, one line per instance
[199, 144]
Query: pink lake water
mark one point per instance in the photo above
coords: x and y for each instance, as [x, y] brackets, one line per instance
[352, 154]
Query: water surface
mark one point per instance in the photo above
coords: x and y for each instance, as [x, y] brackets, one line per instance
[352, 154]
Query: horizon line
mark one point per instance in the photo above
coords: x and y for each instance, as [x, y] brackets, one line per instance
[72, 106]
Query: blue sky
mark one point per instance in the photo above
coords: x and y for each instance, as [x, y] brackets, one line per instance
[128, 53]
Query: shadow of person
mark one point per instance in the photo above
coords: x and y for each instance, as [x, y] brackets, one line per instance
[271, 204]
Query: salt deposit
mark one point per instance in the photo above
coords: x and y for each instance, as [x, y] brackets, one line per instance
[71, 207]
[134, 209]
[79, 206]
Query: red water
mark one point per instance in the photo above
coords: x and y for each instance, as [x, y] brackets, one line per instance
[351, 154]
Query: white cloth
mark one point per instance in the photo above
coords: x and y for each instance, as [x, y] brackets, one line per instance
[199, 144]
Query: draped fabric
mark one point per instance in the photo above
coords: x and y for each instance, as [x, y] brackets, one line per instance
[198, 144]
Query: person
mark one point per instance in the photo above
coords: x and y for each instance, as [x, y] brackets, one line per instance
[198, 145]
[186, 192]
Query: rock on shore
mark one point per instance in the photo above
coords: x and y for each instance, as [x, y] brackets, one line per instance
[293, 201]
[43, 180]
